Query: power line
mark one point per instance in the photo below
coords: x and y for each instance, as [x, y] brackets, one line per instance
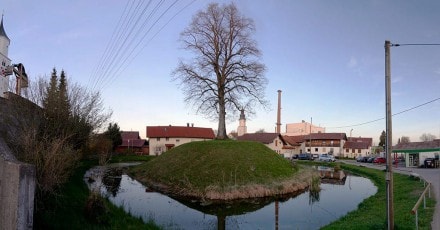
[130, 37]
[398, 113]
[152, 37]
[417, 44]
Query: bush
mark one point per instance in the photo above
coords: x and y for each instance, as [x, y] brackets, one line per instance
[95, 209]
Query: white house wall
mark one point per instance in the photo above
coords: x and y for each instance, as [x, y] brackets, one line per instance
[351, 154]
[157, 147]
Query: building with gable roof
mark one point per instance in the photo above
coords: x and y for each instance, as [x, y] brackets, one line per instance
[163, 138]
[358, 146]
[274, 141]
[319, 143]
[5, 61]
[132, 142]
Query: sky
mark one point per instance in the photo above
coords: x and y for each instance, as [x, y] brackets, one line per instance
[327, 58]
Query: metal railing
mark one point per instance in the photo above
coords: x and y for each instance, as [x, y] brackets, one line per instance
[421, 198]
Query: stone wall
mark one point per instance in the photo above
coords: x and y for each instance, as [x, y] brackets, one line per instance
[17, 189]
[17, 179]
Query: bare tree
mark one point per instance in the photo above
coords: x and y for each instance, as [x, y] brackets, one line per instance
[427, 137]
[405, 139]
[226, 74]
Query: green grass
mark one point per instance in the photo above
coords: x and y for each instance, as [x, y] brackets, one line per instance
[67, 210]
[220, 164]
[117, 158]
[372, 213]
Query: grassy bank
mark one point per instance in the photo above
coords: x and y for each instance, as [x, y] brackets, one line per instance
[221, 170]
[372, 213]
[67, 210]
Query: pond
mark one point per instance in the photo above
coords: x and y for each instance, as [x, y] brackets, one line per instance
[300, 211]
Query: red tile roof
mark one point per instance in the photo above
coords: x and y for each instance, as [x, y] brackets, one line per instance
[265, 138]
[356, 145]
[326, 136]
[130, 135]
[294, 140]
[179, 131]
[368, 140]
[133, 143]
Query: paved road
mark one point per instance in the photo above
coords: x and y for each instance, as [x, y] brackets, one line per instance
[430, 175]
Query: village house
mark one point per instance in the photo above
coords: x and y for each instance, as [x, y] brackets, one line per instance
[295, 142]
[319, 143]
[415, 153]
[131, 142]
[163, 138]
[358, 146]
[273, 141]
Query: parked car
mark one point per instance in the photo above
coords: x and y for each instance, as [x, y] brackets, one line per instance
[429, 163]
[295, 156]
[326, 158]
[305, 156]
[379, 160]
[362, 159]
[315, 156]
[370, 159]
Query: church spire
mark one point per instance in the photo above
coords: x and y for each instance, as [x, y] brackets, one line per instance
[2, 30]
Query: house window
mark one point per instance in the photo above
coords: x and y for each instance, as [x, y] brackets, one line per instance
[316, 149]
[158, 139]
[177, 140]
[359, 151]
[167, 138]
[347, 150]
[352, 150]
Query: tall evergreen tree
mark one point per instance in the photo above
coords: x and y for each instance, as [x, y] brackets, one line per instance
[63, 98]
[113, 133]
[382, 139]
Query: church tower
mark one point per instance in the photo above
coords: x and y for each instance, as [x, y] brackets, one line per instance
[242, 129]
[5, 61]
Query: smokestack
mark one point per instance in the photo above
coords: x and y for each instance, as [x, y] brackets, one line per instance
[278, 130]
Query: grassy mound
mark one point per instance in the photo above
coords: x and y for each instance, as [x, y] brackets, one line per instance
[221, 170]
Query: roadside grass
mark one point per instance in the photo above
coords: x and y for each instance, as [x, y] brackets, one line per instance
[372, 212]
[218, 165]
[66, 211]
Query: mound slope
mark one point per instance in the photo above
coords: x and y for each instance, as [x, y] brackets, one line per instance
[222, 170]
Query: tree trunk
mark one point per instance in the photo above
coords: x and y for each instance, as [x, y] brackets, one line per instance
[221, 133]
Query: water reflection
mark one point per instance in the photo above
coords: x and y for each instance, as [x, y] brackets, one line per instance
[308, 210]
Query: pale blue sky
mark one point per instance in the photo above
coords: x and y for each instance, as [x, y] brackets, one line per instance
[326, 56]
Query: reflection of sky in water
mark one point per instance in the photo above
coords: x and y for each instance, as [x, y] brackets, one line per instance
[295, 213]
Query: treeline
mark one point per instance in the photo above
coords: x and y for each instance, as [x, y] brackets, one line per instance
[57, 129]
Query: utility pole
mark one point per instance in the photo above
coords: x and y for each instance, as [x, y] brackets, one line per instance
[389, 140]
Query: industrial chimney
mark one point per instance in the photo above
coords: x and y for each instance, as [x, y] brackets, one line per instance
[279, 113]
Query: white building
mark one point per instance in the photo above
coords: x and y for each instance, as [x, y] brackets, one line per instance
[274, 141]
[358, 146]
[416, 152]
[242, 129]
[164, 138]
[5, 61]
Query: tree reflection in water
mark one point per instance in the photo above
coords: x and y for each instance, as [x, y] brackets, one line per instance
[112, 180]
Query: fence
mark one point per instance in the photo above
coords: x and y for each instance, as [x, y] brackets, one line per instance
[422, 198]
